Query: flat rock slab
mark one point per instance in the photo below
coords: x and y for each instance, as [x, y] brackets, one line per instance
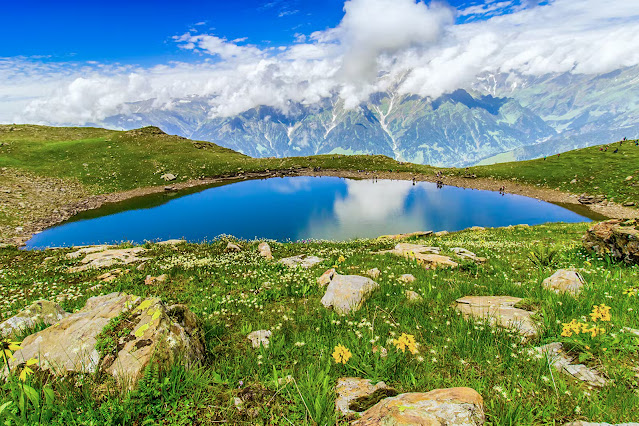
[170, 242]
[564, 281]
[86, 250]
[429, 257]
[467, 254]
[440, 407]
[110, 257]
[349, 389]
[499, 310]
[41, 311]
[167, 334]
[407, 235]
[302, 260]
[347, 293]
[563, 362]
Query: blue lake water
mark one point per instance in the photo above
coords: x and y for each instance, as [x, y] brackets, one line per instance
[298, 208]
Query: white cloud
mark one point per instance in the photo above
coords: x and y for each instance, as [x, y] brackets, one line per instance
[376, 42]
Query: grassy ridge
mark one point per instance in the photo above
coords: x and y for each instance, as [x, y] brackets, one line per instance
[236, 293]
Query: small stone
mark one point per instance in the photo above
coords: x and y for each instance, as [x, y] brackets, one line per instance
[628, 178]
[326, 278]
[265, 251]
[168, 177]
[407, 278]
[232, 248]
[259, 337]
[564, 281]
[413, 296]
[373, 273]
[173, 242]
[441, 233]
[557, 358]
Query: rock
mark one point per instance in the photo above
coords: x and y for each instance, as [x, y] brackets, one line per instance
[302, 261]
[467, 254]
[499, 310]
[441, 233]
[111, 275]
[374, 273]
[167, 335]
[427, 256]
[230, 247]
[168, 177]
[265, 251]
[558, 358]
[616, 238]
[106, 258]
[170, 242]
[628, 178]
[629, 204]
[326, 278]
[477, 228]
[383, 352]
[38, 312]
[413, 296]
[631, 330]
[573, 181]
[349, 389]
[440, 407]
[590, 199]
[259, 337]
[150, 280]
[86, 250]
[404, 236]
[564, 281]
[407, 278]
[347, 293]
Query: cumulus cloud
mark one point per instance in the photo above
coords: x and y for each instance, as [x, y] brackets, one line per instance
[403, 45]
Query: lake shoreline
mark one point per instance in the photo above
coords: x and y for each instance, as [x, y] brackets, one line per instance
[610, 210]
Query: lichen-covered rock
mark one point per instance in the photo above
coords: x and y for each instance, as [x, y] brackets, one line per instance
[440, 407]
[499, 310]
[110, 257]
[349, 389]
[347, 293]
[265, 251]
[326, 277]
[564, 281]
[302, 260]
[41, 311]
[558, 358]
[150, 330]
[616, 238]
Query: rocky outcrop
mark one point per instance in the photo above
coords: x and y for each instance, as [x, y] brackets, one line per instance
[564, 281]
[139, 329]
[302, 260]
[440, 407]
[616, 238]
[39, 312]
[109, 257]
[347, 293]
[349, 389]
[498, 310]
[558, 358]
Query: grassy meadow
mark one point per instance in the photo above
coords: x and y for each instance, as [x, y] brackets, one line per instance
[292, 381]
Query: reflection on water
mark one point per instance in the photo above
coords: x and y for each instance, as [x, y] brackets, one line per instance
[300, 208]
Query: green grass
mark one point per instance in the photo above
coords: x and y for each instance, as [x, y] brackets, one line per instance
[595, 171]
[236, 293]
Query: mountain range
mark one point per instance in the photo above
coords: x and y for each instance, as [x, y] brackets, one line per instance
[500, 117]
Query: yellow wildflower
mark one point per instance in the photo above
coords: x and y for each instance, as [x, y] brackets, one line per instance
[601, 312]
[341, 354]
[26, 371]
[341, 258]
[406, 341]
[8, 347]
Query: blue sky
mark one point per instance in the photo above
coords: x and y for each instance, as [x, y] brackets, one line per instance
[140, 31]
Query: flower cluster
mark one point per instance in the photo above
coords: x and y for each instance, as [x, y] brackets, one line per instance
[341, 354]
[632, 291]
[406, 341]
[601, 312]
